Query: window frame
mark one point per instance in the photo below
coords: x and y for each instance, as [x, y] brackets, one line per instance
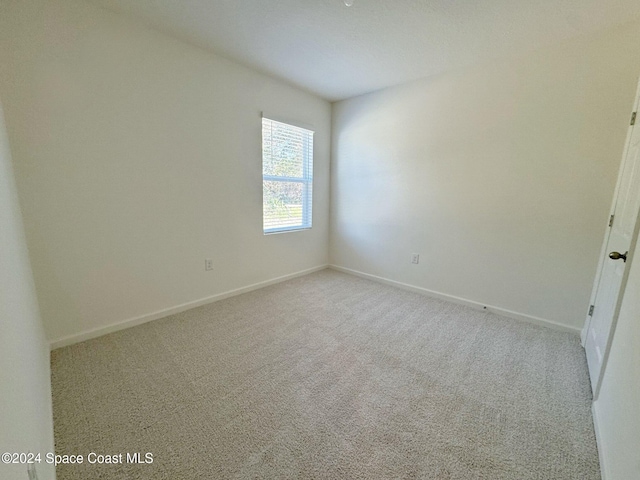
[306, 179]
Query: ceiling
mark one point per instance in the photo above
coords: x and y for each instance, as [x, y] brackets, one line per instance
[338, 52]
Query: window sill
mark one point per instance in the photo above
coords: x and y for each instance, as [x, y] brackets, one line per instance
[285, 230]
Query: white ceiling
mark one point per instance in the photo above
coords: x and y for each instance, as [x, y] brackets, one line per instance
[338, 52]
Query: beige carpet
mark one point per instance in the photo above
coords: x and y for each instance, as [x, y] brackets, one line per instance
[328, 376]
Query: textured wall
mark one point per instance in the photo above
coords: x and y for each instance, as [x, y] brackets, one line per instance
[138, 156]
[500, 176]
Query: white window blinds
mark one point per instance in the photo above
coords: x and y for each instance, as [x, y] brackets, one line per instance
[287, 176]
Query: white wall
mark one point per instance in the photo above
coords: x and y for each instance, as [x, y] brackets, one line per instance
[617, 409]
[137, 157]
[499, 176]
[26, 423]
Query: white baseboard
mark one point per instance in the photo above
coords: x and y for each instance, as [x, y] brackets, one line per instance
[132, 322]
[596, 428]
[463, 301]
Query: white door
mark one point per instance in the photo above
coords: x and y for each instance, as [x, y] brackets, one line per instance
[619, 242]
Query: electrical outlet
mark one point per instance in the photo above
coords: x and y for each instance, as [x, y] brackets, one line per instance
[415, 258]
[208, 264]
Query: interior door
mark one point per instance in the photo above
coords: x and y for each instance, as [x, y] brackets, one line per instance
[619, 243]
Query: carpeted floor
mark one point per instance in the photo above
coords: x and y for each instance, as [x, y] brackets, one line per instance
[328, 376]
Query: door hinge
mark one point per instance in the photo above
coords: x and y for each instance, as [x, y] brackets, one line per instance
[633, 118]
[591, 310]
[611, 220]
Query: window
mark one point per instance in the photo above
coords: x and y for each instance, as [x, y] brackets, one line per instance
[287, 176]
